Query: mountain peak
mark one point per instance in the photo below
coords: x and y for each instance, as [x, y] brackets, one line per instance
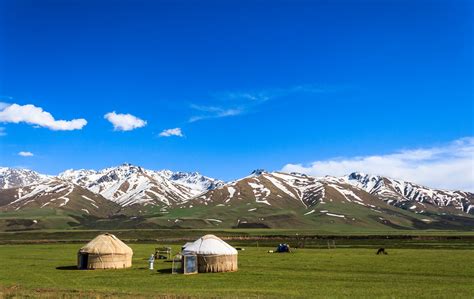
[298, 174]
[16, 177]
[258, 171]
[195, 180]
[124, 168]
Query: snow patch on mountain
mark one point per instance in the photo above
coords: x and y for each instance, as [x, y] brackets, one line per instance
[260, 192]
[346, 193]
[336, 215]
[193, 180]
[279, 185]
[15, 177]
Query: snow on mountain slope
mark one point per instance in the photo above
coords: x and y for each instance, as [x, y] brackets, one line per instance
[58, 194]
[15, 177]
[193, 180]
[376, 194]
[280, 190]
[278, 199]
[405, 194]
[128, 184]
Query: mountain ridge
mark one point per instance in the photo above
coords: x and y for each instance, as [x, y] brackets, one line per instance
[262, 199]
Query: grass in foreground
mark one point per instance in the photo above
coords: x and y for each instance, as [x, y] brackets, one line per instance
[31, 270]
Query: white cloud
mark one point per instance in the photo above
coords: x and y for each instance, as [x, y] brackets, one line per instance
[2, 131]
[172, 132]
[25, 154]
[124, 122]
[450, 166]
[30, 114]
[213, 112]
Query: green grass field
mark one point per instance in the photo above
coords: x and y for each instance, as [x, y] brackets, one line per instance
[32, 270]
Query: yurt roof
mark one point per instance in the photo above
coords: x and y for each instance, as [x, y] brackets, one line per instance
[210, 244]
[187, 244]
[106, 244]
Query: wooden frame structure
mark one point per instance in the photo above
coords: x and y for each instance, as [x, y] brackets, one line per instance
[165, 250]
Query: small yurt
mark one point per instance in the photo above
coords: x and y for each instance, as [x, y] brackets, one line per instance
[105, 251]
[213, 254]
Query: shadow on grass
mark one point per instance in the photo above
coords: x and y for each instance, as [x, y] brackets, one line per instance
[165, 271]
[67, 268]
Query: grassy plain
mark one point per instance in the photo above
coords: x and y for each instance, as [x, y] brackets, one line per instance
[47, 270]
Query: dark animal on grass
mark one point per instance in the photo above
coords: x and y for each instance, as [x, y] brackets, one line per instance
[381, 251]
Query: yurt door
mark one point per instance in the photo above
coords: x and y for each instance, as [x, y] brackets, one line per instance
[84, 258]
[190, 264]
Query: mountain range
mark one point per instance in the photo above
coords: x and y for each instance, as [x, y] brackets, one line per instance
[130, 196]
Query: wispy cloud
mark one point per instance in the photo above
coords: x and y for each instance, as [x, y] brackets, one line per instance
[26, 154]
[171, 132]
[214, 112]
[30, 114]
[450, 166]
[227, 104]
[124, 122]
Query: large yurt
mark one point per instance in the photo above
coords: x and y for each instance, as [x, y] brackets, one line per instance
[213, 254]
[105, 251]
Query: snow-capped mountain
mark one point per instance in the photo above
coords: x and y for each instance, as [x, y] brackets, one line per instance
[410, 195]
[16, 177]
[279, 189]
[193, 180]
[56, 193]
[128, 184]
[119, 196]
[284, 200]
[112, 189]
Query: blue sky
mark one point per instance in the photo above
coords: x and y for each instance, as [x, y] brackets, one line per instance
[250, 84]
